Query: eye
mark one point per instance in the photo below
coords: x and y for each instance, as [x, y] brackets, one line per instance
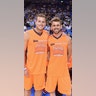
[43, 22]
[58, 25]
[53, 25]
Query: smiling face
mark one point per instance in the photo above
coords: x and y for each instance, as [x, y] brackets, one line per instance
[40, 22]
[56, 27]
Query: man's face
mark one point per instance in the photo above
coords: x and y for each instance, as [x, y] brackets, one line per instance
[56, 27]
[40, 23]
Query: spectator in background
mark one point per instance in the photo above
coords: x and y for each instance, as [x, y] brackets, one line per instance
[50, 10]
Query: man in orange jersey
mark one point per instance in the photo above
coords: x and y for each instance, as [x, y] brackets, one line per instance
[60, 52]
[35, 43]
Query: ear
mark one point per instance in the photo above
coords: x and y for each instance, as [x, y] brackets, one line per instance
[51, 28]
[35, 21]
[45, 23]
[61, 26]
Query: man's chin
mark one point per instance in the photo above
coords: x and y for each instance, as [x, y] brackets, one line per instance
[56, 32]
[41, 28]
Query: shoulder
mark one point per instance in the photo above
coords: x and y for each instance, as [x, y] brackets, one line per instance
[50, 38]
[28, 33]
[46, 32]
[67, 37]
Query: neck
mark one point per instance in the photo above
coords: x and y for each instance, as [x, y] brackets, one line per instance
[39, 31]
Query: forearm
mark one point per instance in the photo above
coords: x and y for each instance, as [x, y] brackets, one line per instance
[69, 54]
[25, 58]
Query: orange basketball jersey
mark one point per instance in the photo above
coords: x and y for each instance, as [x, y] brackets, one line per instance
[58, 55]
[37, 52]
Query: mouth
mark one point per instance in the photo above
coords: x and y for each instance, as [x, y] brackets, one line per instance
[40, 26]
[56, 29]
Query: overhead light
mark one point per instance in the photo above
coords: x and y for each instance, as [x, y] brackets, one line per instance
[61, 1]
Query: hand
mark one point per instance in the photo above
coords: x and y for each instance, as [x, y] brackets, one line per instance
[26, 72]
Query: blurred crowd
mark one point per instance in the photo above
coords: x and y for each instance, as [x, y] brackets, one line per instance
[63, 11]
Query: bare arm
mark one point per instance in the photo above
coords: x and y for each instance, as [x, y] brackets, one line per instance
[26, 38]
[69, 49]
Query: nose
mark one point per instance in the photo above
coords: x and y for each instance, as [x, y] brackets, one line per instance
[56, 27]
[41, 23]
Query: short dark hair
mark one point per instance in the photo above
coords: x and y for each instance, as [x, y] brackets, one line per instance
[40, 15]
[56, 19]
